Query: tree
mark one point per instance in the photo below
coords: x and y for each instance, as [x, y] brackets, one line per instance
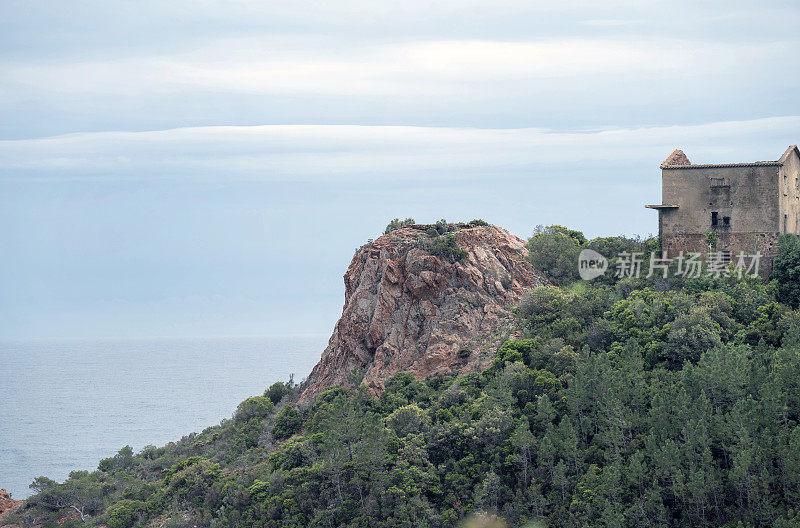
[287, 422]
[123, 459]
[612, 247]
[690, 335]
[554, 251]
[350, 439]
[276, 392]
[488, 493]
[41, 484]
[123, 514]
[524, 443]
[786, 269]
[544, 413]
[408, 419]
[255, 407]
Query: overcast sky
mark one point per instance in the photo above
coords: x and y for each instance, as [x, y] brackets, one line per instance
[208, 167]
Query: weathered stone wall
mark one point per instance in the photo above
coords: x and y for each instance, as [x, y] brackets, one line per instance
[749, 198]
[748, 243]
[789, 178]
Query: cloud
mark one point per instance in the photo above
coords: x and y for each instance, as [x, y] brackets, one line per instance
[609, 22]
[563, 80]
[362, 153]
[296, 66]
[148, 65]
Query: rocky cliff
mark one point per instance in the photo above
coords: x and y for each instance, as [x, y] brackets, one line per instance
[7, 504]
[409, 310]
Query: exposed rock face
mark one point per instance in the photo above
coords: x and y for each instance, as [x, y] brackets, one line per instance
[7, 504]
[407, 310]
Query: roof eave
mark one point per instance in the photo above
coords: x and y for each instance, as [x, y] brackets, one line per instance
[724, 165]
[792, 148]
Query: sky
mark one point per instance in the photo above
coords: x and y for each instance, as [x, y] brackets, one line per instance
[207, 167]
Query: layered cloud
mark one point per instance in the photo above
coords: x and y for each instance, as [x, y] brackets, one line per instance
[94, 66]
[350, 152]
[293, 66]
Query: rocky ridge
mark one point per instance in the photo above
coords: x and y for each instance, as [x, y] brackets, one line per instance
[412, 311]
[7, 504]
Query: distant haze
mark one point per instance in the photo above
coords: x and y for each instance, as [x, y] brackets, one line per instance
[208, 168]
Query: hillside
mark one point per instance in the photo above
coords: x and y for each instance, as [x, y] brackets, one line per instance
[629, 402]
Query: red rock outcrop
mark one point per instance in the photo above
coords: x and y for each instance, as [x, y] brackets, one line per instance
[408, 310]
[7, 504]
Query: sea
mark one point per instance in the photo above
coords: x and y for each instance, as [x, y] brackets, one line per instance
[66, 404]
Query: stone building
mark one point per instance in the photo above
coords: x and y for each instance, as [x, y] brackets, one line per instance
[728, 207]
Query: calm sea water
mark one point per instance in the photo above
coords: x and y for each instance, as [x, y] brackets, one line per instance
[64, 405]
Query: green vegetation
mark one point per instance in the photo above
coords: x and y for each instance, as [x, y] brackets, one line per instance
[554, 251]
[277, 391]
[442, 242]
[287, 422]
[441, 227]
[256, 407]
[124, 513]
[642, 403]
[396, 223]
[786, 270]
[446, 246]
[712, 236]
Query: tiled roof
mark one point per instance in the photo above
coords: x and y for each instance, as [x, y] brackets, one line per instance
[678, 160]
[723, 165]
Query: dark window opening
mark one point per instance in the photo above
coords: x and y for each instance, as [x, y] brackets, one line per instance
[714, 218]
[726, 220]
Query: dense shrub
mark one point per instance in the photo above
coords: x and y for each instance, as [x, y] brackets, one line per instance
[124, 513]
[122, 460]
[255, 407]
[446, 246]
[191, 481]
[786, 270]
[554, 251]
[396, 223]
[441, 227]
[408, 419]
[287, 422]
[277, 391]
[611, 247]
